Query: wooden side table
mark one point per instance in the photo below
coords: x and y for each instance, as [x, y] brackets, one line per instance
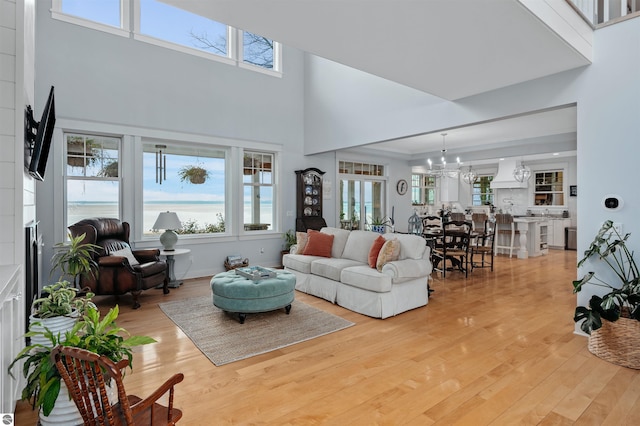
[173, 283]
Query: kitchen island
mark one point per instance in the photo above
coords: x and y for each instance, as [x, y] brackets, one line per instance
[533, 236]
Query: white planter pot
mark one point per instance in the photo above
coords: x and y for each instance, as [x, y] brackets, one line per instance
[59, 324]
[65, 412]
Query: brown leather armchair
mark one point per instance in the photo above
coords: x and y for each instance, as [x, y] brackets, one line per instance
[115, 274]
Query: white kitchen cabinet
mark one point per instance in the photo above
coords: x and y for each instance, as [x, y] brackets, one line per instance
[555, 235]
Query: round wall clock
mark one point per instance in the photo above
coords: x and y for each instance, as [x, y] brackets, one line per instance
[402, 187]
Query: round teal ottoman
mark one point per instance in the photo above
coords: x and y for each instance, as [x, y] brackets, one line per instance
[235, 294]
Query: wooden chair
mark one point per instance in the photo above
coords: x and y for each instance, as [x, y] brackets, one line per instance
[86, 374]
[479, 220]
[454, 247]
[483, 246]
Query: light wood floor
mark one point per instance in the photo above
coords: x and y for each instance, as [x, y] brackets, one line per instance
[497, 348]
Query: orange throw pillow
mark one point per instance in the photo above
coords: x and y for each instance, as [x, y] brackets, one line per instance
[318, 244]
[375, 249]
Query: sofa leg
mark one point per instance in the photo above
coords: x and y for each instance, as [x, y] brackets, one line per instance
[135, 295]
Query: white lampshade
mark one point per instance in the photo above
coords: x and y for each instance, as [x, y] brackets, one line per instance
[168, 221]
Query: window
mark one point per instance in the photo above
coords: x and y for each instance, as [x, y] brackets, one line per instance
[158, 23]
[257, 50]
[179, 26]
[423, 190]
[258, 191]
[549, 188]
[361, 199]
[481, 193]
[108, 12]
[92, 176]
[185, 179]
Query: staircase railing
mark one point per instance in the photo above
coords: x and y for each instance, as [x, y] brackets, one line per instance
[604, 12]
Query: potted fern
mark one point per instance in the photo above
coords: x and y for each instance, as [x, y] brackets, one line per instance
[194, 174]
[44, 386]
[617, 338]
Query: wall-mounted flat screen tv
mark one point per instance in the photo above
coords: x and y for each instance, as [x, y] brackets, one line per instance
[37, 137]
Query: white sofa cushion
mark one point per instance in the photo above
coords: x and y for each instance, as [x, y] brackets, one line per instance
[340, 237]
[411, 246]
[358, 245]
[299, 262]
[366, 278]
[330, 267]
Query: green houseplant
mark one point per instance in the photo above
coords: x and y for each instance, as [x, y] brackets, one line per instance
[617, 338]
[194, 174]
[61, 300]
[379, 224]
[623, 299]
[93, 333]
[75, 258]
[289, 240]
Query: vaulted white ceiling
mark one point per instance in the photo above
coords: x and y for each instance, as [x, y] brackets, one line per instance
[448, 48]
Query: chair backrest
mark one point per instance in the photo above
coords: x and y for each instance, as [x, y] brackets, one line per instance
[478, 220]
[431, 222]
[456, 217]
[87, 374]
[108, 233]
[457, 234]
[504, 219]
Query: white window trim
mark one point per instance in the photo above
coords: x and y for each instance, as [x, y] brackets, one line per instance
[551, 167]
[131, 179]
[130, 28]
[125, 20]
[248, 235]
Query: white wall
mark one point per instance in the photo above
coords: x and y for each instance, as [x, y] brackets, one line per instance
[607, 94]
[108, 81]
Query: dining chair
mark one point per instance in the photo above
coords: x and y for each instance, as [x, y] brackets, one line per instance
[453, 247]
[483, 246]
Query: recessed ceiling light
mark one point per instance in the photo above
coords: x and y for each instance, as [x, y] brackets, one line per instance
[556, 153]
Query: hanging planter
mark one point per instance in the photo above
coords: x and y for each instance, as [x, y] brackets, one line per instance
[78, 152]
[193, 174]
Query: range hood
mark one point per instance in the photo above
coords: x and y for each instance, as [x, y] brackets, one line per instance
[504, 178]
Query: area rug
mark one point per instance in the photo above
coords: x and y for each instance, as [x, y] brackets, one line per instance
[222, 339]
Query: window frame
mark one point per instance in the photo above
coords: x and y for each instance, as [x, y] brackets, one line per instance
[424, 188]
[535, 190]
[130, 28]
[490, 195]
[372, 173]
[274, 190]
[66, 177]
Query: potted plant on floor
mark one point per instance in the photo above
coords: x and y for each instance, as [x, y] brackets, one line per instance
[75, 258]
[45, 388]
[58, 310]
[617, 338]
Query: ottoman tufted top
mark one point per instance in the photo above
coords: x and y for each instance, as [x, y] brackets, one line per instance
[233, 286]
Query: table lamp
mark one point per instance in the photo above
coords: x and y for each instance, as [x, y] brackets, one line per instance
[168, 221]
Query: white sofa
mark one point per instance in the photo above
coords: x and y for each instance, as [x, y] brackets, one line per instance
[347, 279]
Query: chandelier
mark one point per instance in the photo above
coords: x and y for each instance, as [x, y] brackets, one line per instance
[521, 173]
[441, 169]
[469, 176]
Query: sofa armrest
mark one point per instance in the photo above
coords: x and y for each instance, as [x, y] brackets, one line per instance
[407, 268]
[146, 255]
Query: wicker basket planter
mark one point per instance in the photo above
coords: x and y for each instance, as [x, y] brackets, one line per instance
[617, 342]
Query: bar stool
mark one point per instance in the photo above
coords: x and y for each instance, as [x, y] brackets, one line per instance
[478, 220]
[505, 226]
